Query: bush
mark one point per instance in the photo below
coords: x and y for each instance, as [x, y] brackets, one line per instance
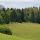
[5, 31]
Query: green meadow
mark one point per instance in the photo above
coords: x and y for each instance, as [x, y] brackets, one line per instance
[22, 31]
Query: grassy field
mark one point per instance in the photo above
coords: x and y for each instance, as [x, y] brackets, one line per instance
[23, 31]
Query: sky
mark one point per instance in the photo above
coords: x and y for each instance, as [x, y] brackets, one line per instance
[19, 3]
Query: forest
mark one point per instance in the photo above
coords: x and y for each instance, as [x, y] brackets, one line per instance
[31, 14]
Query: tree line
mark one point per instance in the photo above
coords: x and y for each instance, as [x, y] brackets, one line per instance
[31, 14]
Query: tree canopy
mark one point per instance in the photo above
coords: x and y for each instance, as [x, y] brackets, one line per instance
[31, 14]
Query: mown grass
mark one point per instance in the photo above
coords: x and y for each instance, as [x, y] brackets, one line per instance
[23, 31]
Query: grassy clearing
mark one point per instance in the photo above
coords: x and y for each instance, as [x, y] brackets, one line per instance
[24, 31]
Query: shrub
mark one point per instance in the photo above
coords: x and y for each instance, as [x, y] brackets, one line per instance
[5, 31]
